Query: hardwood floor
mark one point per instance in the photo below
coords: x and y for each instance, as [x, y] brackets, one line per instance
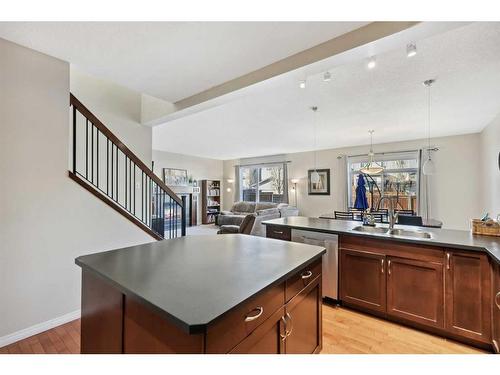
[350, 332]
[64, 339]
[344, 331]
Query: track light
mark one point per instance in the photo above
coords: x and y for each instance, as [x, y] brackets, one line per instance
[372, 62]
[411, 49]
[327, 77]
[302, 84]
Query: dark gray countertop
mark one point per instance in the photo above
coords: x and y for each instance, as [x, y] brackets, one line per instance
[459, 239]
[194, 280]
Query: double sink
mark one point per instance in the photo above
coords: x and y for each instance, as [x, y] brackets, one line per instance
[392, 232]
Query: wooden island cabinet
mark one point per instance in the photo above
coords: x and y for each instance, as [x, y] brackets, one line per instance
[203, 294]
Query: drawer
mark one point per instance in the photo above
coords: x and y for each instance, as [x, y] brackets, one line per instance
[278, 232]
[226, 332]
[301, 279]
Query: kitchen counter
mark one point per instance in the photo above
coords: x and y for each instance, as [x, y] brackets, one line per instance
[440, 237]
[188, 294]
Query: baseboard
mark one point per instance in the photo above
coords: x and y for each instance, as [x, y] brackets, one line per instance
[38, 328]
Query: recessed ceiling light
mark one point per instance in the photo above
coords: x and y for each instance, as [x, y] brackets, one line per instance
[302, 84]
[372, 62]
[411, 49]
[327, 77]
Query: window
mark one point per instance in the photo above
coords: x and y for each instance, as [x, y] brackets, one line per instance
[399, 180]
[263, 183]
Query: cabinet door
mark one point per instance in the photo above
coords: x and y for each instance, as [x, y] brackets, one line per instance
[265, 339]
[468, 295]
[362, 279]
[496, 310]
[415, 291]
[303, 321]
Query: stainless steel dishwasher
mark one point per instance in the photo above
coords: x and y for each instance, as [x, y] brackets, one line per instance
[330, 260]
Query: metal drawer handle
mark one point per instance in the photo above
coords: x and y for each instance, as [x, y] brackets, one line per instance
[389, 267]
[253, 317]
[291, 321]
[287, 333]
[497, 300]
[283, 337]
[278, 232]
[306, 275]
[382, 265]
[447, 261]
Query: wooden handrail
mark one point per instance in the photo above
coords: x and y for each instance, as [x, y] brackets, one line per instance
[113, 138]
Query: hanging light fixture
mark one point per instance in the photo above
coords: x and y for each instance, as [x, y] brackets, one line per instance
[372, 167]
[411, 49]
[315, 175]
[429, 168]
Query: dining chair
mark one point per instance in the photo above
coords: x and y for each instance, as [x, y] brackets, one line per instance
[410, 220]
[405, 212]
[342, 215]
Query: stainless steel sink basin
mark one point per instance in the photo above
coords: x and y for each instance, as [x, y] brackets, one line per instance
[367, 229]
[392, 232]
[409, 233]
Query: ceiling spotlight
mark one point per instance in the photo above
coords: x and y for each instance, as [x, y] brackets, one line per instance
[302, 84]
[411, 49]
[327, 77]
[372, 62]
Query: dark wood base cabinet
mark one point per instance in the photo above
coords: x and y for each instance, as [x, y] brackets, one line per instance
[444, 291]
[285, 318]
[496, 310]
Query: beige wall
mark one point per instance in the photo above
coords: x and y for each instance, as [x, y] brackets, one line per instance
[455, 190]
[46, 220]
[118, 108]
[490, 173]
[198, 168]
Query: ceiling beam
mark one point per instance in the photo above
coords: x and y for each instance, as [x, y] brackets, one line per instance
[342, 43]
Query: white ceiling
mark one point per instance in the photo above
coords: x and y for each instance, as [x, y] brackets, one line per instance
[171, 60]
[389, 99]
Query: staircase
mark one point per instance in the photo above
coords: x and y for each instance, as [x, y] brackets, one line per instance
[104, 166]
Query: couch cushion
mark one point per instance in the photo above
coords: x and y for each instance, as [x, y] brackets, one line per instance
[230, 219]
[268, 211]
[265, 205]
[240, 208]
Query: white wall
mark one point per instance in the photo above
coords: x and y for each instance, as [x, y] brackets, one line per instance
[118, 107]
[46, 219]
[198, 168]
[455, 190]
[490, 173]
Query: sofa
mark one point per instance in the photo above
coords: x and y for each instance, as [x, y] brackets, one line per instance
[263, 211]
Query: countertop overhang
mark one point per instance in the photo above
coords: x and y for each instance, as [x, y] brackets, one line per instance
[195, 280]
[458, 239]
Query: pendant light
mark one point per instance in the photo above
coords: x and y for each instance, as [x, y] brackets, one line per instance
[372, 167]
[429, 168]
[315, 175]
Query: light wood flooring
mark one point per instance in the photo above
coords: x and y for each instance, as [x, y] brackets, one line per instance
[344, 331]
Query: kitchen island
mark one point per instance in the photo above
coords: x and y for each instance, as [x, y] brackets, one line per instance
[443, 281]
[203, 294]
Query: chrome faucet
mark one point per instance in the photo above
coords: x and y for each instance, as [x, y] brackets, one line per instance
[393, 216]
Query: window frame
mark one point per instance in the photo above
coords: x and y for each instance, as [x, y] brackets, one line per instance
[259, 166]
[381, 158]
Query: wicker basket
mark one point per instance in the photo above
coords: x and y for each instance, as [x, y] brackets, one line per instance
[486, 228]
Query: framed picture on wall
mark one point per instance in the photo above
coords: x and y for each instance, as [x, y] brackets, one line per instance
[175, 177]
[322, 187]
